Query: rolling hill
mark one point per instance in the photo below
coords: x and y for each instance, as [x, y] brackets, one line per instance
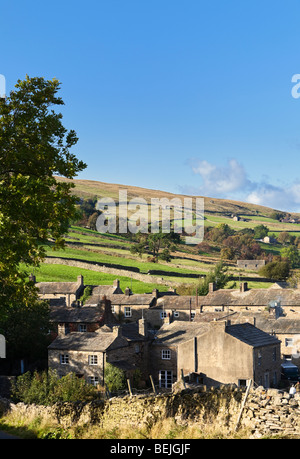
[101, 258]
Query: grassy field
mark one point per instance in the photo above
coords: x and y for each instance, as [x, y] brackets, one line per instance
[112, 249]
[61, 273]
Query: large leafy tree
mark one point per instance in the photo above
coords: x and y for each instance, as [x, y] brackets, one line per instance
[34, 206]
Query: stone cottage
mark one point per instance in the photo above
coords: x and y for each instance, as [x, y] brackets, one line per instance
[215, 353]
[86, 354]
[60, 293]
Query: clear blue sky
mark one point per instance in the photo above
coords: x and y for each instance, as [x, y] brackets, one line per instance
[183, 96]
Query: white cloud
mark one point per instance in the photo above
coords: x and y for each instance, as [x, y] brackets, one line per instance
[221, 180]
[231, 182]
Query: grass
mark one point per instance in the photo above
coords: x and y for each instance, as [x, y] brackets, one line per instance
[101, 257]
[44, 427]
[61, 273]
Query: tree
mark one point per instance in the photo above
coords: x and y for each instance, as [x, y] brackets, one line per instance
[291, 253]
[260, 231]
[217, 275]
[283, 237]
[34, 148]
[154, 242]
[34, 205]
[275, 270]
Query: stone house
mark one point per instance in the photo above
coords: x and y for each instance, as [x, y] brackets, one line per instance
[60, 293]
[170, 308]
[286, 301]
[81, 318]
[286, 329]
[86, 354]
[253, 265]
[215, 353]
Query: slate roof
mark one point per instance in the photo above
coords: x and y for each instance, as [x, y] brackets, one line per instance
[81, 314]
[178, 302]
[251, 335]
[99, 341]
[252, 297]
[178, 332]
[58, 287]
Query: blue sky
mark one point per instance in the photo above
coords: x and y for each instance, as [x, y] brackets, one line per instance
[189, 97]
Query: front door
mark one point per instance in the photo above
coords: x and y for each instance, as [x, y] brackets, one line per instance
[165, 379]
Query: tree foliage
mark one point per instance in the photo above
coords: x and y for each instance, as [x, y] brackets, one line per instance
[34, 148]
[114, 378]
[46, 388]
[217, 275]
[275, 270]
[34, 206]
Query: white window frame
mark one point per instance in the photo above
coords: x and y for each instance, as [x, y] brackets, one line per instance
[93, 359]
[166, 354]
[64, 359]
[163, 315]
[93, 380]
[82, 328]
[127, 311]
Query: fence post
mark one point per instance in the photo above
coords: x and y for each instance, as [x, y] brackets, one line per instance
[243, 405]
[129, 387]
[153, 386]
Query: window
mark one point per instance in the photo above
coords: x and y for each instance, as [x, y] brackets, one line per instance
[93, 360]
[82, 328]
[94, 380]
[259, 357]
[274, 354]
[127, 311]
[163, 314]
[165, 379]
[193, 315]
[136, 348]
[64, 359]
[288, 342]
[113, 309]
[176, 314]
[166, 354]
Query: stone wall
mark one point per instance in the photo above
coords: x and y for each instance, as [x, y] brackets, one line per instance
[266, 412]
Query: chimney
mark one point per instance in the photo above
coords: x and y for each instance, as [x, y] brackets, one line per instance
[155, 292]
[218, 324]
[212, 287]
[128, 292]
[143, 327]
[243, 287]
[61, 329]
[80, 280]
[167, 320]
[117, 330]
[116, 283]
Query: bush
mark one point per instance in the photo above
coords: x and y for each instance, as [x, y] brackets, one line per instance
[47, 388]
[114, 378]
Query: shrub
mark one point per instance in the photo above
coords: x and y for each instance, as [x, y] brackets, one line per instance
[47, 388]
[114, 378]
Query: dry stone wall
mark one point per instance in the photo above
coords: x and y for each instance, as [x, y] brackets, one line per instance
[265, 413]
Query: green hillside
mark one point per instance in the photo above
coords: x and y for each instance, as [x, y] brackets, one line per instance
[188, 262]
